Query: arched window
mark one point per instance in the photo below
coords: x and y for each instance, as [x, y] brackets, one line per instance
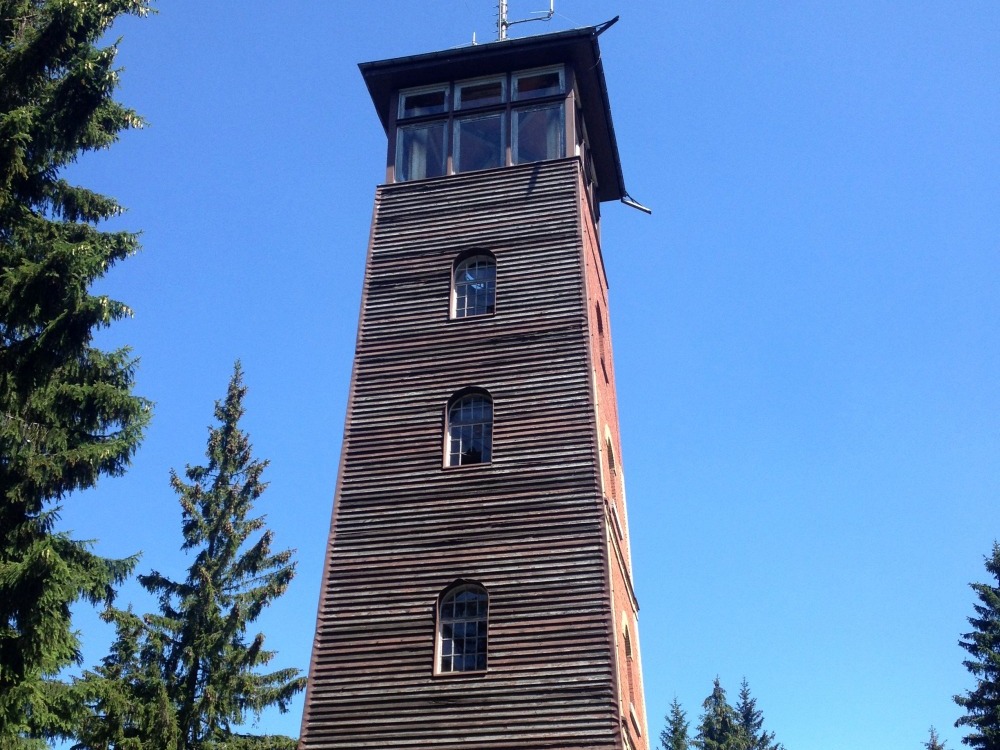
[601, 347]
[470, 429]
[462, 625]
[474, 286]
[628, 663]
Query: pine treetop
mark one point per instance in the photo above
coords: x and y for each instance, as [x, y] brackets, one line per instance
[212, 665]
[933, 741]
[675, 735]
[719, 728]
[982, 704]
[751, 721]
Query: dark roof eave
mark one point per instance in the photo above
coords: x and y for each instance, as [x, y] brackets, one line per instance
[606, 101]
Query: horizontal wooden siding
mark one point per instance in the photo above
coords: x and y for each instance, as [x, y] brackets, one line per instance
[528, 526]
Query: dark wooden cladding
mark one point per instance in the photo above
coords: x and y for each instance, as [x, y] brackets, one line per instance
[529, 526]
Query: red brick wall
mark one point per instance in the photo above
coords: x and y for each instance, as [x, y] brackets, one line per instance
[624, 605]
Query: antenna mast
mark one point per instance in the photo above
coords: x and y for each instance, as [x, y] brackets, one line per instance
[503, 23]
[502, 20]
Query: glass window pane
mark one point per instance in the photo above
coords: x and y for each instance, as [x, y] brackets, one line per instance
[475, 287]
[426, 102]
[472, 453]
[462, 628]
[479, 143]
[470, 434]
[538, 134]
[420, 151]
[480, 93]
[539, 83]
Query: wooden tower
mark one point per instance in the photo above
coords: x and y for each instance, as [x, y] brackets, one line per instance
[477, 591]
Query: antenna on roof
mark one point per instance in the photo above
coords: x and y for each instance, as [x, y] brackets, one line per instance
[503, 23]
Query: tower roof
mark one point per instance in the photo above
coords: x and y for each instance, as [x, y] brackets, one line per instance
[577, 48]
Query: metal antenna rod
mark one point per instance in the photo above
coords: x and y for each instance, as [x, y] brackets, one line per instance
[503, 23]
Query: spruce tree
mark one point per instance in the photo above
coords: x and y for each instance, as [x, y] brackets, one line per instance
[128, 704]
[675, 735]
[982, 704]
[751, 721]
[933, 742]
[67, 411]
[719, 728]
[210, 664]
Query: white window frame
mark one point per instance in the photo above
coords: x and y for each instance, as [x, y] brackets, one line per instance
[445, 646]
[401, 107]
[403, 169]
[516, 76]
[469, 83]
[452, 113]
[462, 313]
[470, 432]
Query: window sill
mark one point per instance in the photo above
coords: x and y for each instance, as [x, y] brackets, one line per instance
[480, 316]
[466, 467]
[460, 675]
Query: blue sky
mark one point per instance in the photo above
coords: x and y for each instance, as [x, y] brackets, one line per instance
[805, 330]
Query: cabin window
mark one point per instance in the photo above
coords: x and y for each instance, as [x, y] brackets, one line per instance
[481, 93]
[481, 123]
[473, 290]
[420, 151]
[479, 142]
[538, 133]
[534, 84]
[470, 429]
[430, 100]
[462, 627]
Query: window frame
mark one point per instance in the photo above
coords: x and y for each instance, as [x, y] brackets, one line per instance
[469, 83]
[440, 622]
[599, 317]
[463, 260]
[486, 453]
[515, 130]
[412, 127]
[628, 626]
[474, 116]
[430, 89]
[517, 75]
[454, 111]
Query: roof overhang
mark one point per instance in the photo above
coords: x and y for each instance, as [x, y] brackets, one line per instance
[577, 48]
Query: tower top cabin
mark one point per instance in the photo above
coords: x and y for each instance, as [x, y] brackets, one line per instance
[494, 105]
